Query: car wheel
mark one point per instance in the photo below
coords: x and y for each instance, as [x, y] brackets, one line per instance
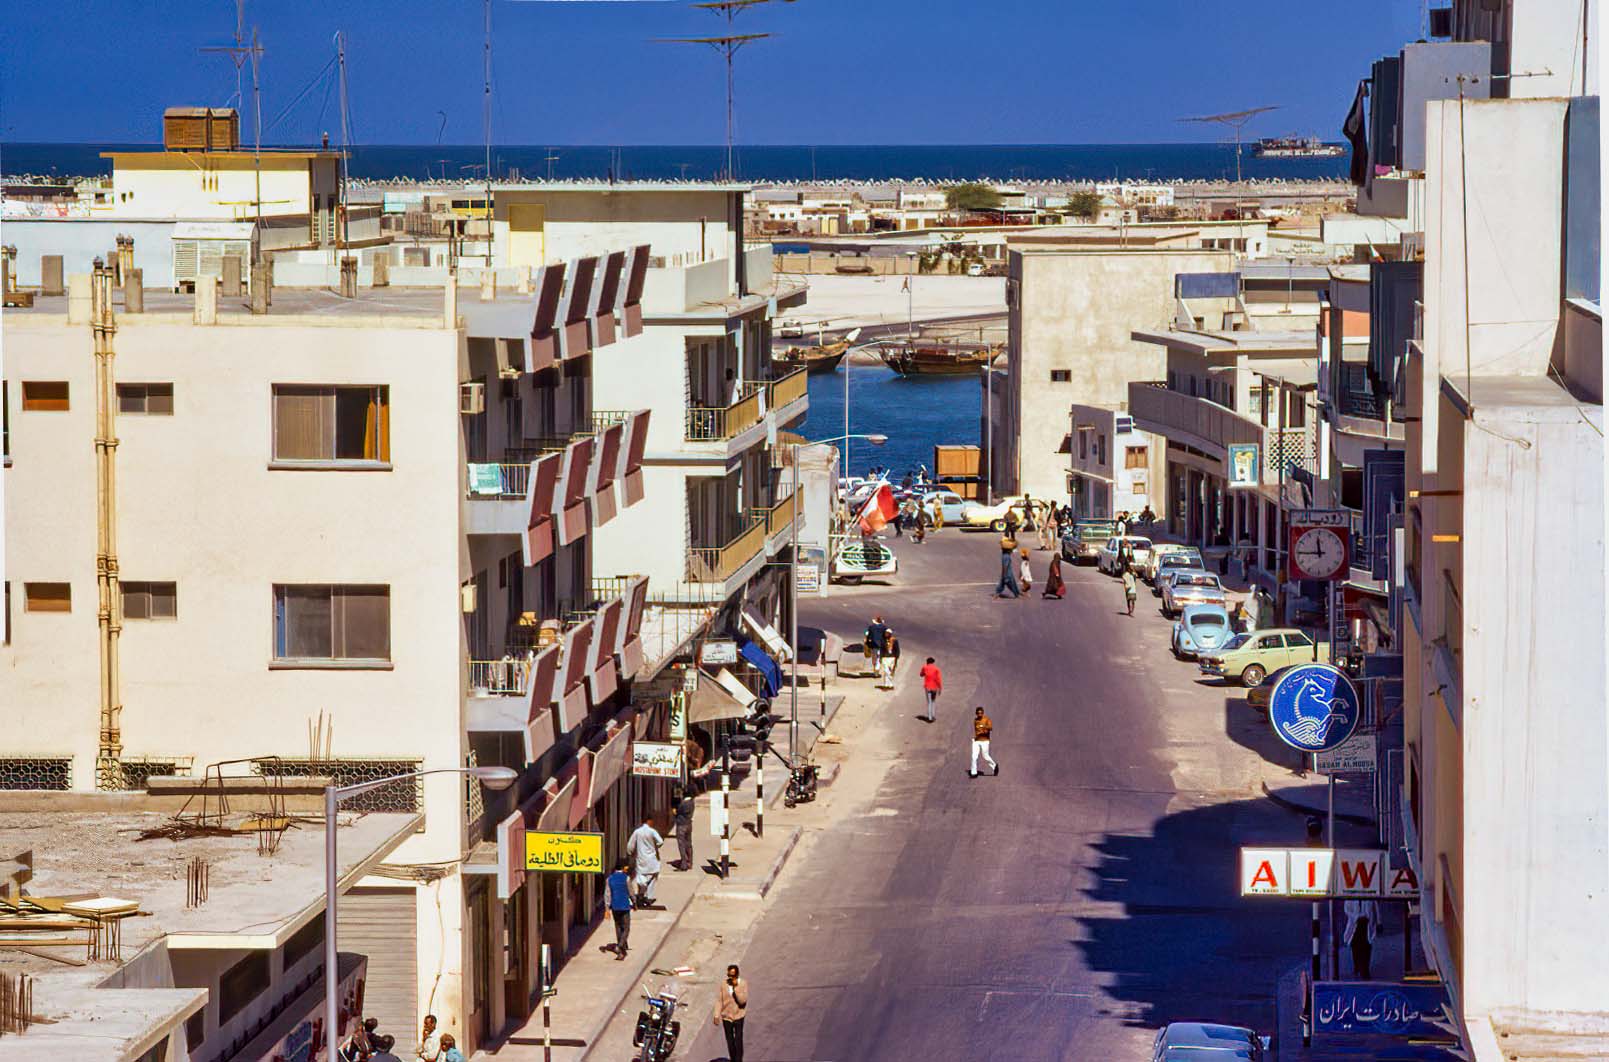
[1253, 676]
[997, 525]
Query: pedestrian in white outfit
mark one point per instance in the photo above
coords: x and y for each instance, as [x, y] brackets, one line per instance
[643, 848]
[982, 727]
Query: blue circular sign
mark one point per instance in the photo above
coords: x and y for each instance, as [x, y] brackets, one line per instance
[1314, 707]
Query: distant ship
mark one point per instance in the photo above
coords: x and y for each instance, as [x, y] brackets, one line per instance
[822, 358]
[937, 359]
[1296, 147]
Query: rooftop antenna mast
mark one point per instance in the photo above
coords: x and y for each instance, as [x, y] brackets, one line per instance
[340, 60]
[727, 44]
[486, 122]
[1235, 120]
[239, 53]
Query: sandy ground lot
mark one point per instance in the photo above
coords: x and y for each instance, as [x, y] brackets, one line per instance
[847, 301]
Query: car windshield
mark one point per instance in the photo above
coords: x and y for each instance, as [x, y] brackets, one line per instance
[1198, 580]
[1140, 543]
[1207, 620]
[1236, 642]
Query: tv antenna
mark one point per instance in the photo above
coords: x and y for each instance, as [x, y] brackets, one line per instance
[239, 53]
[1235, 120]
[728, 45]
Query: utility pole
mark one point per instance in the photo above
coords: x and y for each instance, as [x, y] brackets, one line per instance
[1235, 120]
[486, 121]
[109, 611]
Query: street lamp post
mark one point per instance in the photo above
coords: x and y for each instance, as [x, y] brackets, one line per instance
[493, 777]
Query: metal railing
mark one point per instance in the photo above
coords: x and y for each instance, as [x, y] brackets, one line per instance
[507, 677]
[605, 587]
[789, 388]
[496, 480]
[710, 424]
[780, 516]
[716, 564]
[1190, 415]
[604, 419]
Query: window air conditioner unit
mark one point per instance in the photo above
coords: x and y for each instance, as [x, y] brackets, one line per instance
[471, 398]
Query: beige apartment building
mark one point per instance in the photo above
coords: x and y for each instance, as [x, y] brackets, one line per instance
[354, 538]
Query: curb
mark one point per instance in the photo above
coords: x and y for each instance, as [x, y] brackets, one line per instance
[1302, 809]
[756, 890]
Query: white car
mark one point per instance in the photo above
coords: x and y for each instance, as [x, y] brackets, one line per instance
[1106, 559]
[1148, 570]
[947, 503]
[994, 516]
[859, 558]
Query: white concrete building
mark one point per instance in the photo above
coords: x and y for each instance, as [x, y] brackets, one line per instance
[354, 539]
[1071, 310]
[1112, 466]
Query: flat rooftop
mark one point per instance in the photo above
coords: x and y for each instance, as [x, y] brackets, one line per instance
[409, 307]
[1217, 341]
[253, 901]
[1535, 397]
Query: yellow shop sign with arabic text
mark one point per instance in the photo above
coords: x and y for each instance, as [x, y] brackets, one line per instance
[574, 853]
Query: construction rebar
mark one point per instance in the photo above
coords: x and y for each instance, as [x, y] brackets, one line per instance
[197, 875]
[16, 1003]
[103, 322]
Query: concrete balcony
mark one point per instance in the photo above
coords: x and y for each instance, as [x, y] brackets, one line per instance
[715, 424]
[1210, 428]
[779, 524]
[716, 572]
[788, 398]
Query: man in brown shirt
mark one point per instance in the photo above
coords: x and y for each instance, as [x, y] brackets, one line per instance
[982, 727]
[731, 1003]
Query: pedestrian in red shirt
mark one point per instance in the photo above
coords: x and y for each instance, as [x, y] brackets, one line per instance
[932, 685]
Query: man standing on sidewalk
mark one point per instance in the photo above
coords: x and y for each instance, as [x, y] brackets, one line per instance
[1362, 921]
[620, 906]
[731, 1003]
[877, 644]
[932, 686]
[982, 727]
[643, 847]
[684, 831]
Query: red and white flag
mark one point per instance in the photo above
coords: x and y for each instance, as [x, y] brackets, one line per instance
[878, 510]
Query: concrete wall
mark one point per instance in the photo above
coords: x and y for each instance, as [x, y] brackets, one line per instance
[684, 227]
[205, 185]
[1505, 318]
[198, 505]
[82, 240]
[1556, 42]
[1536, 915]
[1074, 310]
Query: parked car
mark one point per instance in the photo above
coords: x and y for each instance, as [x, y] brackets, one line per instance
[1190, 586]
[1083, 541]
[860, 558]
[1107, 557]
[1257, 698]
[1248, 658]
[1172, 562]
[1160, 550]
[946, 505]
[994, 516]
[1192, 1041]
[1201, 629]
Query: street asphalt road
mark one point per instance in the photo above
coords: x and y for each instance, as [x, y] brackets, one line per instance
[1063, 910]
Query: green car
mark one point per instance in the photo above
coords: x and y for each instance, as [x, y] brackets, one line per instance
[1249, 658]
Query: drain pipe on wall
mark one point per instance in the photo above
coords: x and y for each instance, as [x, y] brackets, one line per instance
[109, 614]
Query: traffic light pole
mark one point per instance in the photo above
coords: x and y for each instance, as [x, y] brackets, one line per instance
[759, 791]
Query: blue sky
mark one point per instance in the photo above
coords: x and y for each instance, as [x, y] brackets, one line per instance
[837, 71]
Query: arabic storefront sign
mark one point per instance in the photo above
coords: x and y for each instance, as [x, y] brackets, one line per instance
[572, 853]
[656, 759]
[1355, 754]
[808, 577]
[1381, 1007]
[1312, 872]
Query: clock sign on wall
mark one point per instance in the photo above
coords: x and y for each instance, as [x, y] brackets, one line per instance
[1320, 544]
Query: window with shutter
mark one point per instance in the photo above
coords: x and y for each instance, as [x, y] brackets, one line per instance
[328, 623]
[332, 425]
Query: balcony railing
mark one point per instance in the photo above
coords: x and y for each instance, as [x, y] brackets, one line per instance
[1173, 412]
[507, 677]
[710, 424]
[780, 516]
[790, 388]
[497, 480]
[604, 419]
[716, 564]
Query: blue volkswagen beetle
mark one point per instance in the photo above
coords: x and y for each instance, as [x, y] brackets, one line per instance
[1201, 629]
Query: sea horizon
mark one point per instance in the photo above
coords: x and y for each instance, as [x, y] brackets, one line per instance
[1168, 161]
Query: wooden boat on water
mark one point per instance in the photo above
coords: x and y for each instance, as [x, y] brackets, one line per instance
[818, 359]
[938, 359]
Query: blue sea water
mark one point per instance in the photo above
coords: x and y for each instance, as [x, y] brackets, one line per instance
[936, 162]
[916, 413]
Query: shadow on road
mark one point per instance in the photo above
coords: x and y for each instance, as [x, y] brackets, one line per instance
[1249, 729]
[1183, 945]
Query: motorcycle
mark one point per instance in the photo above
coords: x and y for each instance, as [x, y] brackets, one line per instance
[801, 787]
[657, 1028]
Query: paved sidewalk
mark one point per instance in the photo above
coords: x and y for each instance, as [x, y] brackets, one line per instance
[594, 987]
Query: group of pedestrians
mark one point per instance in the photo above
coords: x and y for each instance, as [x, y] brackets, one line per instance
[1016, 571]
[368, 1044]
[882, 651]
[632, 882]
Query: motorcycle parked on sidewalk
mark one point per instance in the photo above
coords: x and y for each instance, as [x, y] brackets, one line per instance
[802, 778]
[657, 1028]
